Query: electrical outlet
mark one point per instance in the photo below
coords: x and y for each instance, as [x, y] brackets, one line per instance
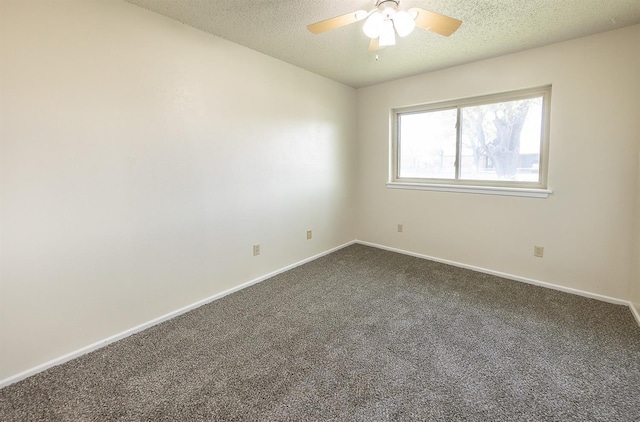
[309, 234]
[538, 251]
[400, 228]
[256, 250]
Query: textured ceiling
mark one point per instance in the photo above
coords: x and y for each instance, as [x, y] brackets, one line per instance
[490, 28]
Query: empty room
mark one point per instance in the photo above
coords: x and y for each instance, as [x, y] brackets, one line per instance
[319, 210]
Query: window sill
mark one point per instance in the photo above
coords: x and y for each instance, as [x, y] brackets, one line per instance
[482, 190]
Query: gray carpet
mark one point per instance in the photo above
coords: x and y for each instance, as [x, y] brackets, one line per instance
[359, 335]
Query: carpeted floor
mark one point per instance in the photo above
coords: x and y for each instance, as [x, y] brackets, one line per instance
[359, 335]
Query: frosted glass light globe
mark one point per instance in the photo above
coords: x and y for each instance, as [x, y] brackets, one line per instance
[388, 34]
[404, 23]
[373, 25]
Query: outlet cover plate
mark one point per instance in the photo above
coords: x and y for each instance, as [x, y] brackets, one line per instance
[538, 251]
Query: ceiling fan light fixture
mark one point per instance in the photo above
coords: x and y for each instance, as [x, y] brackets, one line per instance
[403, 23]
[388, 34]
[373, 25]
[382, 23]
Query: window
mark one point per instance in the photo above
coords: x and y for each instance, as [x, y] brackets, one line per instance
[491, 144]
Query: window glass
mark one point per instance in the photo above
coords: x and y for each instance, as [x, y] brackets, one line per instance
[428, 148]
[502, 141]
[498, 140]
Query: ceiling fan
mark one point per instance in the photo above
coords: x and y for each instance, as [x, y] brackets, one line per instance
[385, 20]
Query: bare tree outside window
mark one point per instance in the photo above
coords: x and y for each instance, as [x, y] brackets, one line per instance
[493, 135]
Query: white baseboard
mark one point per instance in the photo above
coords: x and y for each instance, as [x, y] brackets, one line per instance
[99, 344]
[635, 310]
[505, 275]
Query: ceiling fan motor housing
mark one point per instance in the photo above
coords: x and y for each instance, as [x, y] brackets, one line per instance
[394, 4]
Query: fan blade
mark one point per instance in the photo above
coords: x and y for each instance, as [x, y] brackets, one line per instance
[337, 22]
[440, 24]
[374, 44]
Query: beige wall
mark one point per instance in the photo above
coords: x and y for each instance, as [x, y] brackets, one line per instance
[634, 290]
[585, 226]
[141, 160]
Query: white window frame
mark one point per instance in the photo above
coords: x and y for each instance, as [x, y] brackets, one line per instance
[501, 187]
